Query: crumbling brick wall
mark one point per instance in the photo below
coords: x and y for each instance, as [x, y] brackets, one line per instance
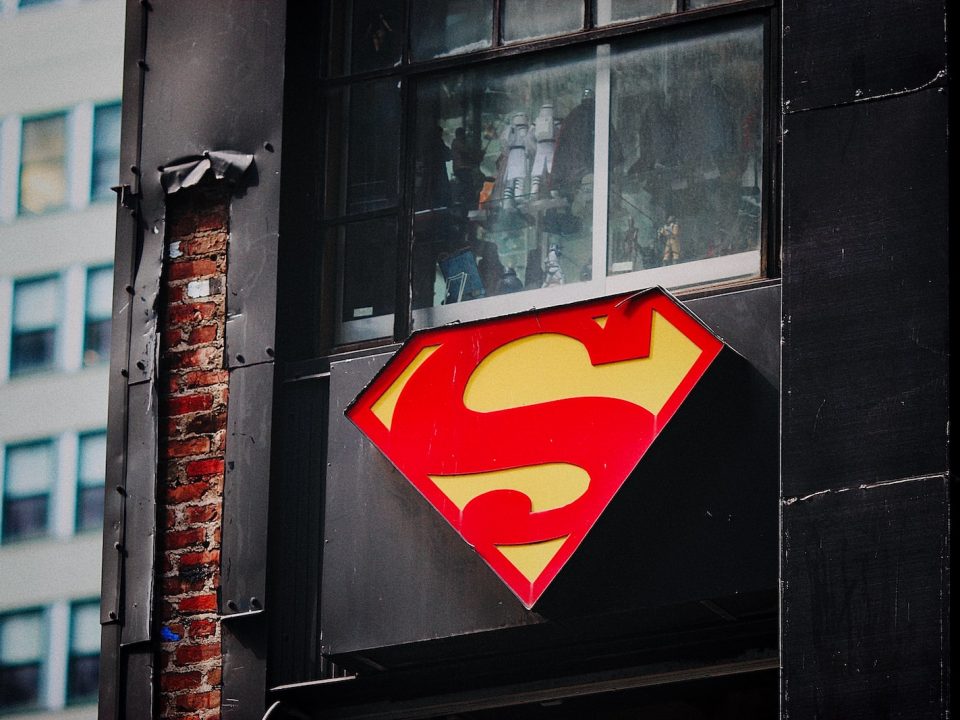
[192, 390]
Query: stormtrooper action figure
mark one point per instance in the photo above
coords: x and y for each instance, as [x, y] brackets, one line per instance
[516, 144]
[544, 135]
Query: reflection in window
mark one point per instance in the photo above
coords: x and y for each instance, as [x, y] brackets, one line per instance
[96, 328]
[43, 164]
[613, 11]
[367, 259]
[688, 117]
[449, 27]
[509, 161]
[106, 151]
[28, 478]
[84, 664]
[90, 479]
[376, 35]
[34, 331]
[21, 659]
[529, 19]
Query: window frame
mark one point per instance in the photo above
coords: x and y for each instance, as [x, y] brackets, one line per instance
[41, 663]
[52, 362]
[409, 72]
[98, 153]
[89, 320]
[73, 657]
[52, 448]
[78, 526]
[23, 211]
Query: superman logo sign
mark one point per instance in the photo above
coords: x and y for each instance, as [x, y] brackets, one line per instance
[521, 429]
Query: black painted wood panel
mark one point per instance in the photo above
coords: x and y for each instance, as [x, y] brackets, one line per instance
[865, 286]
[840, 52]
[865, 624]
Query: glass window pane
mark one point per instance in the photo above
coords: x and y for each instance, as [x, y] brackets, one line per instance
[363, 172]
[85, 629]
[93, 452]
[21, 638]
[30, 469]
[43, 164]
[694, 4]
[376, 34]
[687, 112]
[503, 183]
[528, 19]
[448, 27]
[614, 11]
[367, 264]
[106, 151]
[35, 304]
[96, 337]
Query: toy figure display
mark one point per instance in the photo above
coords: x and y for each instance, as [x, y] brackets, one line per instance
[544, 132]
[516, 143]
[669, 234]
[466, 168]
[553, 273]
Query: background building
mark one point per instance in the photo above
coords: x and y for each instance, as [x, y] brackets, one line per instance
[60, 77]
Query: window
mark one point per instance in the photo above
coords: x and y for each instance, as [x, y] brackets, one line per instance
[21, 659]
[43, 164]
[90, 480]
[84, 664]
[28, 478]
[96, 329]
[35, 318]
[106, 151]
[496, 181]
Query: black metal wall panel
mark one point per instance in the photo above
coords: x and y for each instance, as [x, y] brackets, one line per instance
[140, 533]
[866, 614]
[245, 490]
[214, 82]
[841, 52]
[296, 530]
[865, 289]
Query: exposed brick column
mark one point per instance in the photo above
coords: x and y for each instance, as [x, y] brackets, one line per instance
[193, 387]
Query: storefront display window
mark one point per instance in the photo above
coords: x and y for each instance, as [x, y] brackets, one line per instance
[549, 177]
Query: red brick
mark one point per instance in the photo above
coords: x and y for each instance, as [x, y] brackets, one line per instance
[183, 448]
[203, 334]
[171, 338]
[204, 378]
[193, 514]
[188, 404]
[210, 466]
[203, 628]
[214, 677]
[190, 654]
[172, 682]
[178, 539]
[206, 244]
[181, 270]
[191, 313]
[198, 701]
[200, 558]
[175, 294]
[198, 603]
[185, 493]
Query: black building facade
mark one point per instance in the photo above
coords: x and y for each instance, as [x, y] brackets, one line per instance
[781, 167]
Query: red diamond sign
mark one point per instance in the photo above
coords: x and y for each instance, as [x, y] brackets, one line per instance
[519, 430]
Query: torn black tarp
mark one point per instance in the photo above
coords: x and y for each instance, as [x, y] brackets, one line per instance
[225, 164]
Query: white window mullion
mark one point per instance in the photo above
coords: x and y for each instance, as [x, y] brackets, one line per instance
[71, 327]
[6, 325]
[58, 639]
[79, 154]
[9, 167]
[63, 489]
[601, 151]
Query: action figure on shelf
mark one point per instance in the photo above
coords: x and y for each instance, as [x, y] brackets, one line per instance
[669, 234]
[552, 272]
[516, 145]
[545, 134]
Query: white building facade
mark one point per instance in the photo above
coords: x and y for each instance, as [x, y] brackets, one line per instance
[60, 79]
